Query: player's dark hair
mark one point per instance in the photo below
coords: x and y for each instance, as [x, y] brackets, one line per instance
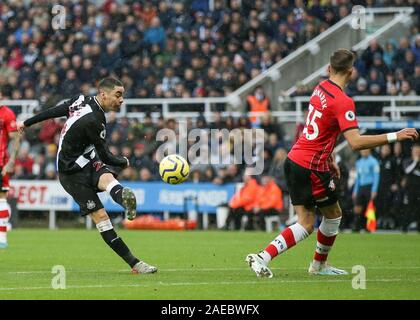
[342, 60]
[109, 83]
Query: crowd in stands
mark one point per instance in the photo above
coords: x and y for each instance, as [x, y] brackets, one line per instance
[392, 69]
[164, 48]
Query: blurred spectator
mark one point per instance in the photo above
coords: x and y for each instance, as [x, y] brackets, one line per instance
[196, 176]
[145, 175]
[49, 130]
[155, 34]
[129, 174]
[387, 186]
[269, 203]
[50, 172]
[242, 202]
[412, 172]
[276, 169]
[300, 126]
[24, 161]
[258, 103]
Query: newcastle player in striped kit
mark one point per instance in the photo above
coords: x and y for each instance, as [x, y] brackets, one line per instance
[83, 157]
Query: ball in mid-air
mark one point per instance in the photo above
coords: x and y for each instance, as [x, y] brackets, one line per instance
[174, 169]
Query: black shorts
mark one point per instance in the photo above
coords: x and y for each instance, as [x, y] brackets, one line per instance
[83, 185]
[308, 187]
[363, 196]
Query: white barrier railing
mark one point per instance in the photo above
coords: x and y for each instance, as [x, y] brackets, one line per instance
[393, 110]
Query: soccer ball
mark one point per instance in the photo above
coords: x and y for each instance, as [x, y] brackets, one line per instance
[174, 169]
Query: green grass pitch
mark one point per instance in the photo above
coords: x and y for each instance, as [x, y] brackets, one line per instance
[203, 265]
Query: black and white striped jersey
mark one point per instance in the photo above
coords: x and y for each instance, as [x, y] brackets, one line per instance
[82, 138]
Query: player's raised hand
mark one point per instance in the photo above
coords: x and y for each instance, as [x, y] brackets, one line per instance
[407, 134]
[20, 127]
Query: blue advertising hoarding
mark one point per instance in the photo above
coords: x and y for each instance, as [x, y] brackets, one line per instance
[159, 196]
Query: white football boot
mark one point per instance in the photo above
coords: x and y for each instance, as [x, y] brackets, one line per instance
[326, 270]
[142, 267]
[258, 265]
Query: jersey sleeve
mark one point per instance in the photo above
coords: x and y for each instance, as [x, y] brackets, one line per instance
[345, 112]
[96, 133]
[11, 122]
[60, 110]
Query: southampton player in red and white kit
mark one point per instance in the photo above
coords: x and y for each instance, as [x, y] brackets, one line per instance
[310, 168]
[8, 131]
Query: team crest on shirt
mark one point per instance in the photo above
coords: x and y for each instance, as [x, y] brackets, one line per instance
[90, 205]
[350, 116]
[331, 185]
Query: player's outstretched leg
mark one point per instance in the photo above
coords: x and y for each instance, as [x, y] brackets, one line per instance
[327, 232]
[123, 196]
[288, 238]
[104, 226]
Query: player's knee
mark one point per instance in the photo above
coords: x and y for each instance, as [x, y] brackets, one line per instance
[99, 216]
[335, 213]
[105, 180]
[338, 212]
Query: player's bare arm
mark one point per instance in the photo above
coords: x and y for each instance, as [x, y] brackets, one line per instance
[360, 142]
[58, 111]
[8, 168]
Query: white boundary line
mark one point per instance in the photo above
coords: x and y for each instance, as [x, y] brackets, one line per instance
[209, 270]
[174, 284]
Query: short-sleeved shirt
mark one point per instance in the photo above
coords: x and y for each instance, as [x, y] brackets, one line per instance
[331, 112]
[7, 125]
